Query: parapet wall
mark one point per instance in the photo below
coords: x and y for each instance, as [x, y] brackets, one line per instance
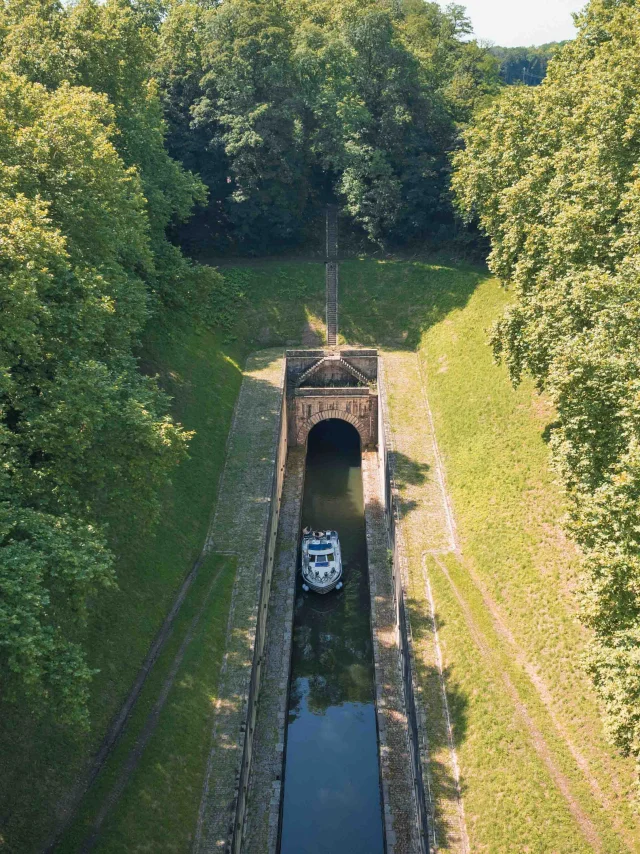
[364, 360]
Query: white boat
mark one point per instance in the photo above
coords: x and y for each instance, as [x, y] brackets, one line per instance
[321, 561]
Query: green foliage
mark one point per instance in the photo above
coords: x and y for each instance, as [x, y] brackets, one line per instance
[302, 102]
[525, 64]
[552, 174]
[41, 759]
[87, 191]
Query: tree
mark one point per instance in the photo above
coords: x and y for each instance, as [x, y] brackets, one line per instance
[83, 432]
[525, 64]
[87, 191]
[310, 101]
[110, 48]
[551, 172]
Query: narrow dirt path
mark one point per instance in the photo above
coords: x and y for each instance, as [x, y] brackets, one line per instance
[149, 727]
[464, 835]
[240, 527]
[543, 691]
[69, 809]
[265, 784]
[587, 827]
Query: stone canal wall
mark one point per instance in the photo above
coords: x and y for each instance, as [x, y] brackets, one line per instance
[260, 834]
[402, 736]
[245, 524]
[257, 519]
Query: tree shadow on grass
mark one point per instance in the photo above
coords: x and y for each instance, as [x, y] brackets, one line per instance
[408, 472]
[392, 303]
[444, 787]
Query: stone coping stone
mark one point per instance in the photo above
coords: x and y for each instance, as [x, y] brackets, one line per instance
[267, 766]
[342, 351]
[330, 391]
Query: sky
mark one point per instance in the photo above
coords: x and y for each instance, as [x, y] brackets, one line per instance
[519, 23]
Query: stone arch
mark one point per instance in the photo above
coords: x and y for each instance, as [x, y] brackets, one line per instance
[326, 415]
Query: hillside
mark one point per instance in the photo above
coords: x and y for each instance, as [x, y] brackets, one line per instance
[505, 600]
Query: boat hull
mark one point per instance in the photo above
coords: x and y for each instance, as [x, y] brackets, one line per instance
[321, 562]
[313, 585]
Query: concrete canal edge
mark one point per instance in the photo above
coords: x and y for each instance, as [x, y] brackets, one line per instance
[402, 738]
[262, 819]
[258, 519]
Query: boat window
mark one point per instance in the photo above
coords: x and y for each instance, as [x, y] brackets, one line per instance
[330, 556]
[312, 558]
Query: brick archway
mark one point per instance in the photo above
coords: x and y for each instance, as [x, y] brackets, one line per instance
[326, 415]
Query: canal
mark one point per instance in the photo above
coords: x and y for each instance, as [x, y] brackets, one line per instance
[331, 802]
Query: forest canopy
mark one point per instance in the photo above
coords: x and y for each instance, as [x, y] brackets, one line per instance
[552, 174]
[283, 106]
[87, 190]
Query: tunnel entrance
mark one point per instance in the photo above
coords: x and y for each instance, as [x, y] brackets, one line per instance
[332, 799]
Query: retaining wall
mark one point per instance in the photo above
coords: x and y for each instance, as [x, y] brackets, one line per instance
[400, 584]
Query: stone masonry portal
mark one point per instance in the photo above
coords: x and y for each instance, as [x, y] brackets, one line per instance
[324, 384]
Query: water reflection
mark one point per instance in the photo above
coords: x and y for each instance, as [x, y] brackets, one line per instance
[332, 790]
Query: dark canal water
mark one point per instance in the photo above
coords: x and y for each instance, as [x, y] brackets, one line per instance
[331, 799]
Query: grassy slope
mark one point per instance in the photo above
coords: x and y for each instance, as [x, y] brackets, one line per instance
[204, 383]
[509, 511]
[201, 371]
[160, 801]
[497, 466]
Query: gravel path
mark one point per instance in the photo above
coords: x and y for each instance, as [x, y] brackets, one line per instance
[422, 497]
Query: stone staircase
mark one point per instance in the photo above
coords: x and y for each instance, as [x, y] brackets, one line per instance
[332, 303]
[332, 276]
[332, 233]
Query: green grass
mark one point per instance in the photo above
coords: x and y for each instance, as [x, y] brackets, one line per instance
[42, 759]
[279, 298]
[509, 511]
[160, 802]
[392, 303]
